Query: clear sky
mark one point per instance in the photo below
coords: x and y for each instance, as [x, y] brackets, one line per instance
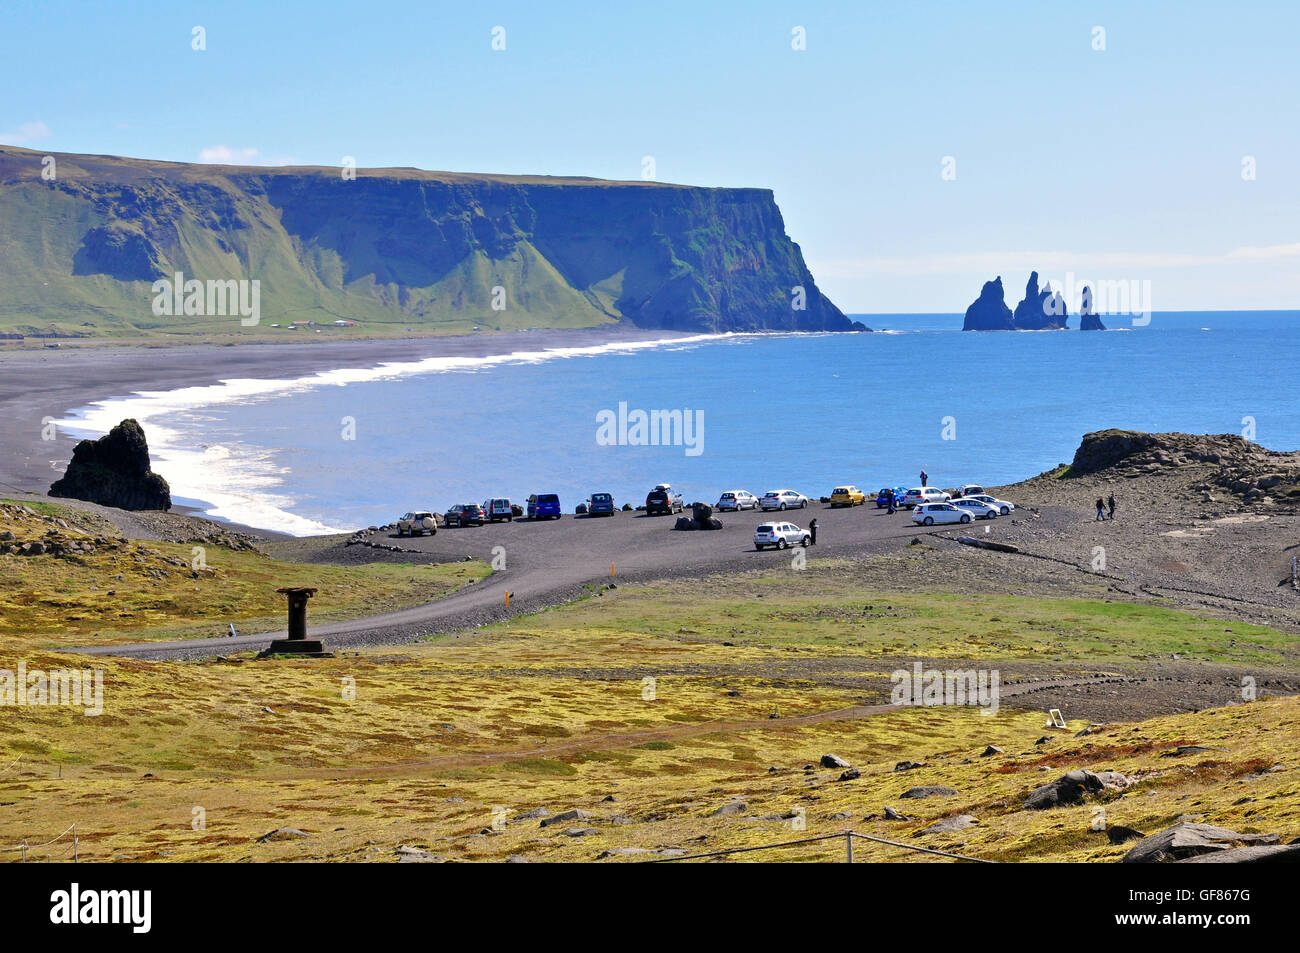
[1117, 163]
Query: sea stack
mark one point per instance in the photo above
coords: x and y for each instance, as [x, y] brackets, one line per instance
[114, 471]
[1041, 310]
[989, 312]
[1088, 321]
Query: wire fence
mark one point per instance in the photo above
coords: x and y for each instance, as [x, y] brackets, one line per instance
[847, 836]
[69, 849]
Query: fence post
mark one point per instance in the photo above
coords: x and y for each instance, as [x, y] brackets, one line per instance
[23, 845]
[848, 837]
[75, 845]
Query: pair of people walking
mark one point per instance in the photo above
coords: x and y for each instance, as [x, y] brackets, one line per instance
[1102, 508]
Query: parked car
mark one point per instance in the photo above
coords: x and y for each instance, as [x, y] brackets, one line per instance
[927, 514]
[464, 514]
[417, 523]
[782, 500]
[970, 489]
[1004, 507]
[737, 500]
[978, 508]
[498, 508]
[779, 535]
[848, 495]
[601, 504]
[663, 499]
[924, 494]
[897, 492]
[543, 506]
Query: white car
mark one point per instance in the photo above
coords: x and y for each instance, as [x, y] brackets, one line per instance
[737, 500]
[782, 500]
[924, 494]
[780, 535]
[980, 509]
[1003, 506]
[417, 523]
[971, 489]
[927, 514]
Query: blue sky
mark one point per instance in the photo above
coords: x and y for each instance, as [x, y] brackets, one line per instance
[1122, 163]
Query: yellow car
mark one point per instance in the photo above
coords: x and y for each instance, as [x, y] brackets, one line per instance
[847, 496]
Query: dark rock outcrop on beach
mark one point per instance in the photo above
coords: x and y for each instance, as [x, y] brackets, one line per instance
[1088, 320]
[393, 248]
[114, 471]
[989, 312]
[1041, 309]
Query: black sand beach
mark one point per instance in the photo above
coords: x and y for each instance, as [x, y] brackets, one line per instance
[47, 382]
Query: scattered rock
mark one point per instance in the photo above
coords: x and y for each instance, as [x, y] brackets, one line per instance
[1186, 840]
[1071, 787]
[283, 833]
[929, 790]
[948, 825]
[833, 761]
[851, 774]
[573, 815]
[991, 750]
[734, 807]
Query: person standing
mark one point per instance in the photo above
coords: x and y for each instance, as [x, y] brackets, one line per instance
[812, 529]
[924, 478]
[1101, 510]
[892, 499]
[1110, 504]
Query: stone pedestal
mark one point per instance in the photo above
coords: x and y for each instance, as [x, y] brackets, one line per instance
[297, 643]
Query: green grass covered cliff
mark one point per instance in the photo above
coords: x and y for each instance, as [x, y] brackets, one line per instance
[396, 250]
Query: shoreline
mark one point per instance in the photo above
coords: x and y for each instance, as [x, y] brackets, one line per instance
[38, 387]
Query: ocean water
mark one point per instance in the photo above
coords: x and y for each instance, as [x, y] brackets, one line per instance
[358, 446]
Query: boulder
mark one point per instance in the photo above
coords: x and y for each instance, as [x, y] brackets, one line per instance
[1071, 787]
[1262, 854]
[574, 815]
[114, 471]
[833, 761]
[929, 790]
[948, 825]
[1186, 840]
[733, 807]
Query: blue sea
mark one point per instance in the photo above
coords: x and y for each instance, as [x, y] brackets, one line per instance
[361, 445]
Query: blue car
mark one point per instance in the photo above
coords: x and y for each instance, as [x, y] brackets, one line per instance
[543, 506]
[882, 498]
[600, 504]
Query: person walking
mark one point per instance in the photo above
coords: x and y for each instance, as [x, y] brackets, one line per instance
[1110, 504]
[812, 529]
[1101, 510]
[889, 496]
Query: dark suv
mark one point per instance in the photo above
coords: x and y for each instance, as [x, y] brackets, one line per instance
[663, 500]
[600, 504]
[464, 514]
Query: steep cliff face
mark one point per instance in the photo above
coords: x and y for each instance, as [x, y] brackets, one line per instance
[392, 249]
[989, 312]
[1041, 309]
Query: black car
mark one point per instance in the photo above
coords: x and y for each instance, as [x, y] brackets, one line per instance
[663, 500]
[464, 514]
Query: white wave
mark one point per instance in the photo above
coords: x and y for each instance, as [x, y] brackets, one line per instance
[245, 484]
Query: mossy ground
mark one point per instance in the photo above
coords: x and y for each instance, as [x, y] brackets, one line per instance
[427, 745]
[146, 590]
